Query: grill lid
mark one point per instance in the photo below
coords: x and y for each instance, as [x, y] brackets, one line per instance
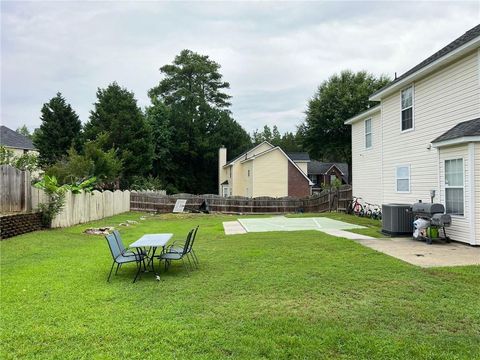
[428, 208]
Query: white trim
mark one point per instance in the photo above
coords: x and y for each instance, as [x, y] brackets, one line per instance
[456, 141]
[333, 165]
[363, 115]
[365, 134]
[230, 163]
[409, 179]
[412, 85]
[472, 197]
[424, 71]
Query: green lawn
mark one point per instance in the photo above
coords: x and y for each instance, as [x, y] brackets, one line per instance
[282, 295]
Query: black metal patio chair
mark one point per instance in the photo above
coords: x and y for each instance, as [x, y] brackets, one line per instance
[179, 247]
[168, 256]
[119, 258]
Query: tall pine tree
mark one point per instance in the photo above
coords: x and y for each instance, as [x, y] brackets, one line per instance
[60, 130]
[199, 122]
[117, 116]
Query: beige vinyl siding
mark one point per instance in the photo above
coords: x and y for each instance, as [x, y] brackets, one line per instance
[441, 100]
[460, 229]
[238, 188]
[271, 175]
[263, 147]
[248, 180]
[366, 163]
[303, 166]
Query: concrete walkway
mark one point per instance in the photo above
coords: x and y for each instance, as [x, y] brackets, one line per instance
[233, 228]
[420, 254]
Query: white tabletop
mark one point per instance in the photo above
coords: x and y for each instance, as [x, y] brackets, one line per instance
[152, 240]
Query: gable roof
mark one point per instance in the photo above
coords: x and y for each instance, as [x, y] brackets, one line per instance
[363, 115]
[285, 154]
[462, 132]
[231, 162]
[457, 47]
[298, 156]
[319, 168]
[12, 139]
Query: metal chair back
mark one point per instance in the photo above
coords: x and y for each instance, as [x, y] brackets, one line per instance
[113, 245]
[194, 236]
[118, 237]
[186, 247]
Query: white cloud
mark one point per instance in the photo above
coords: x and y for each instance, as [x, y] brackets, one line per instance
[273, 54]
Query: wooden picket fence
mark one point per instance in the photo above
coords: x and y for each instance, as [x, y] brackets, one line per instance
[18, 196]
[15, 190]
[333, 200]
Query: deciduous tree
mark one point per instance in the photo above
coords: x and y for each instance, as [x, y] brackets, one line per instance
[336, 100]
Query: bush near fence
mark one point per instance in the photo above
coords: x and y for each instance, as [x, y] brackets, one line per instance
[334, 200]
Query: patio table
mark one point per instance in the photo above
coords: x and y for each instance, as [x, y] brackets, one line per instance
[152, 241]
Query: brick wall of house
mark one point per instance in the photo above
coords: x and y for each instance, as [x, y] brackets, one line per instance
[16, 224]
[297, 183]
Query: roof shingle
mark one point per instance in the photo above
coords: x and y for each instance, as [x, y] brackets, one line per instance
[11, 138]
[455, 44]
[298, 156]
[463, 129]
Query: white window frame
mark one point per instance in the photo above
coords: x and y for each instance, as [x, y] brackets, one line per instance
[453, 187]
[365, 133]
[226, 191]
[409, 178]
[413, 108]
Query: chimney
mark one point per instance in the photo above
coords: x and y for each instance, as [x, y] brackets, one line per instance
[222, 160]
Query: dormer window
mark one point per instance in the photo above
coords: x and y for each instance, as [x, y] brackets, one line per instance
[407, 108]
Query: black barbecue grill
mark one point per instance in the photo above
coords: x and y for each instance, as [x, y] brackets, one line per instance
[434, 224]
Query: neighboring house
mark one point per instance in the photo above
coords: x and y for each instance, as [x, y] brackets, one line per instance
[15, 142]
[264, 170]
[322, 174]
[423, 139]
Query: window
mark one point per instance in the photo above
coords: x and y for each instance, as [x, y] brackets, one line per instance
[230, 175]
[403, 178]
[454, 186]
[226, 191]
[248, 173]
[407, 108]
[332, 178]
[368, 133]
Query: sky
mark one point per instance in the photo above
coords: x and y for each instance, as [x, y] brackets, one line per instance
[273, 54]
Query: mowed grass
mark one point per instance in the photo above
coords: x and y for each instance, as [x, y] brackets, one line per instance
[278, 295]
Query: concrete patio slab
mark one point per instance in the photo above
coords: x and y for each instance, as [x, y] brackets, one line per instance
[233, 228]
[424, 255]
[347, 234]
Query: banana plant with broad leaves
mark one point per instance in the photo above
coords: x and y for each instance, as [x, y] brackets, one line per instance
[56, 195]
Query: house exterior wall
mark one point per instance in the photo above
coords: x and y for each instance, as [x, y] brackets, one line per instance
[477, 191]
[298, 186]
[303, 165]
[261, 148]
[367, 163]
[248, 177]
[19, 152]
[271, 175]
[441, 100]
[460, 229]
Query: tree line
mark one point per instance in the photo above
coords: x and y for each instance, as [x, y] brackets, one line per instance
[173, 143]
